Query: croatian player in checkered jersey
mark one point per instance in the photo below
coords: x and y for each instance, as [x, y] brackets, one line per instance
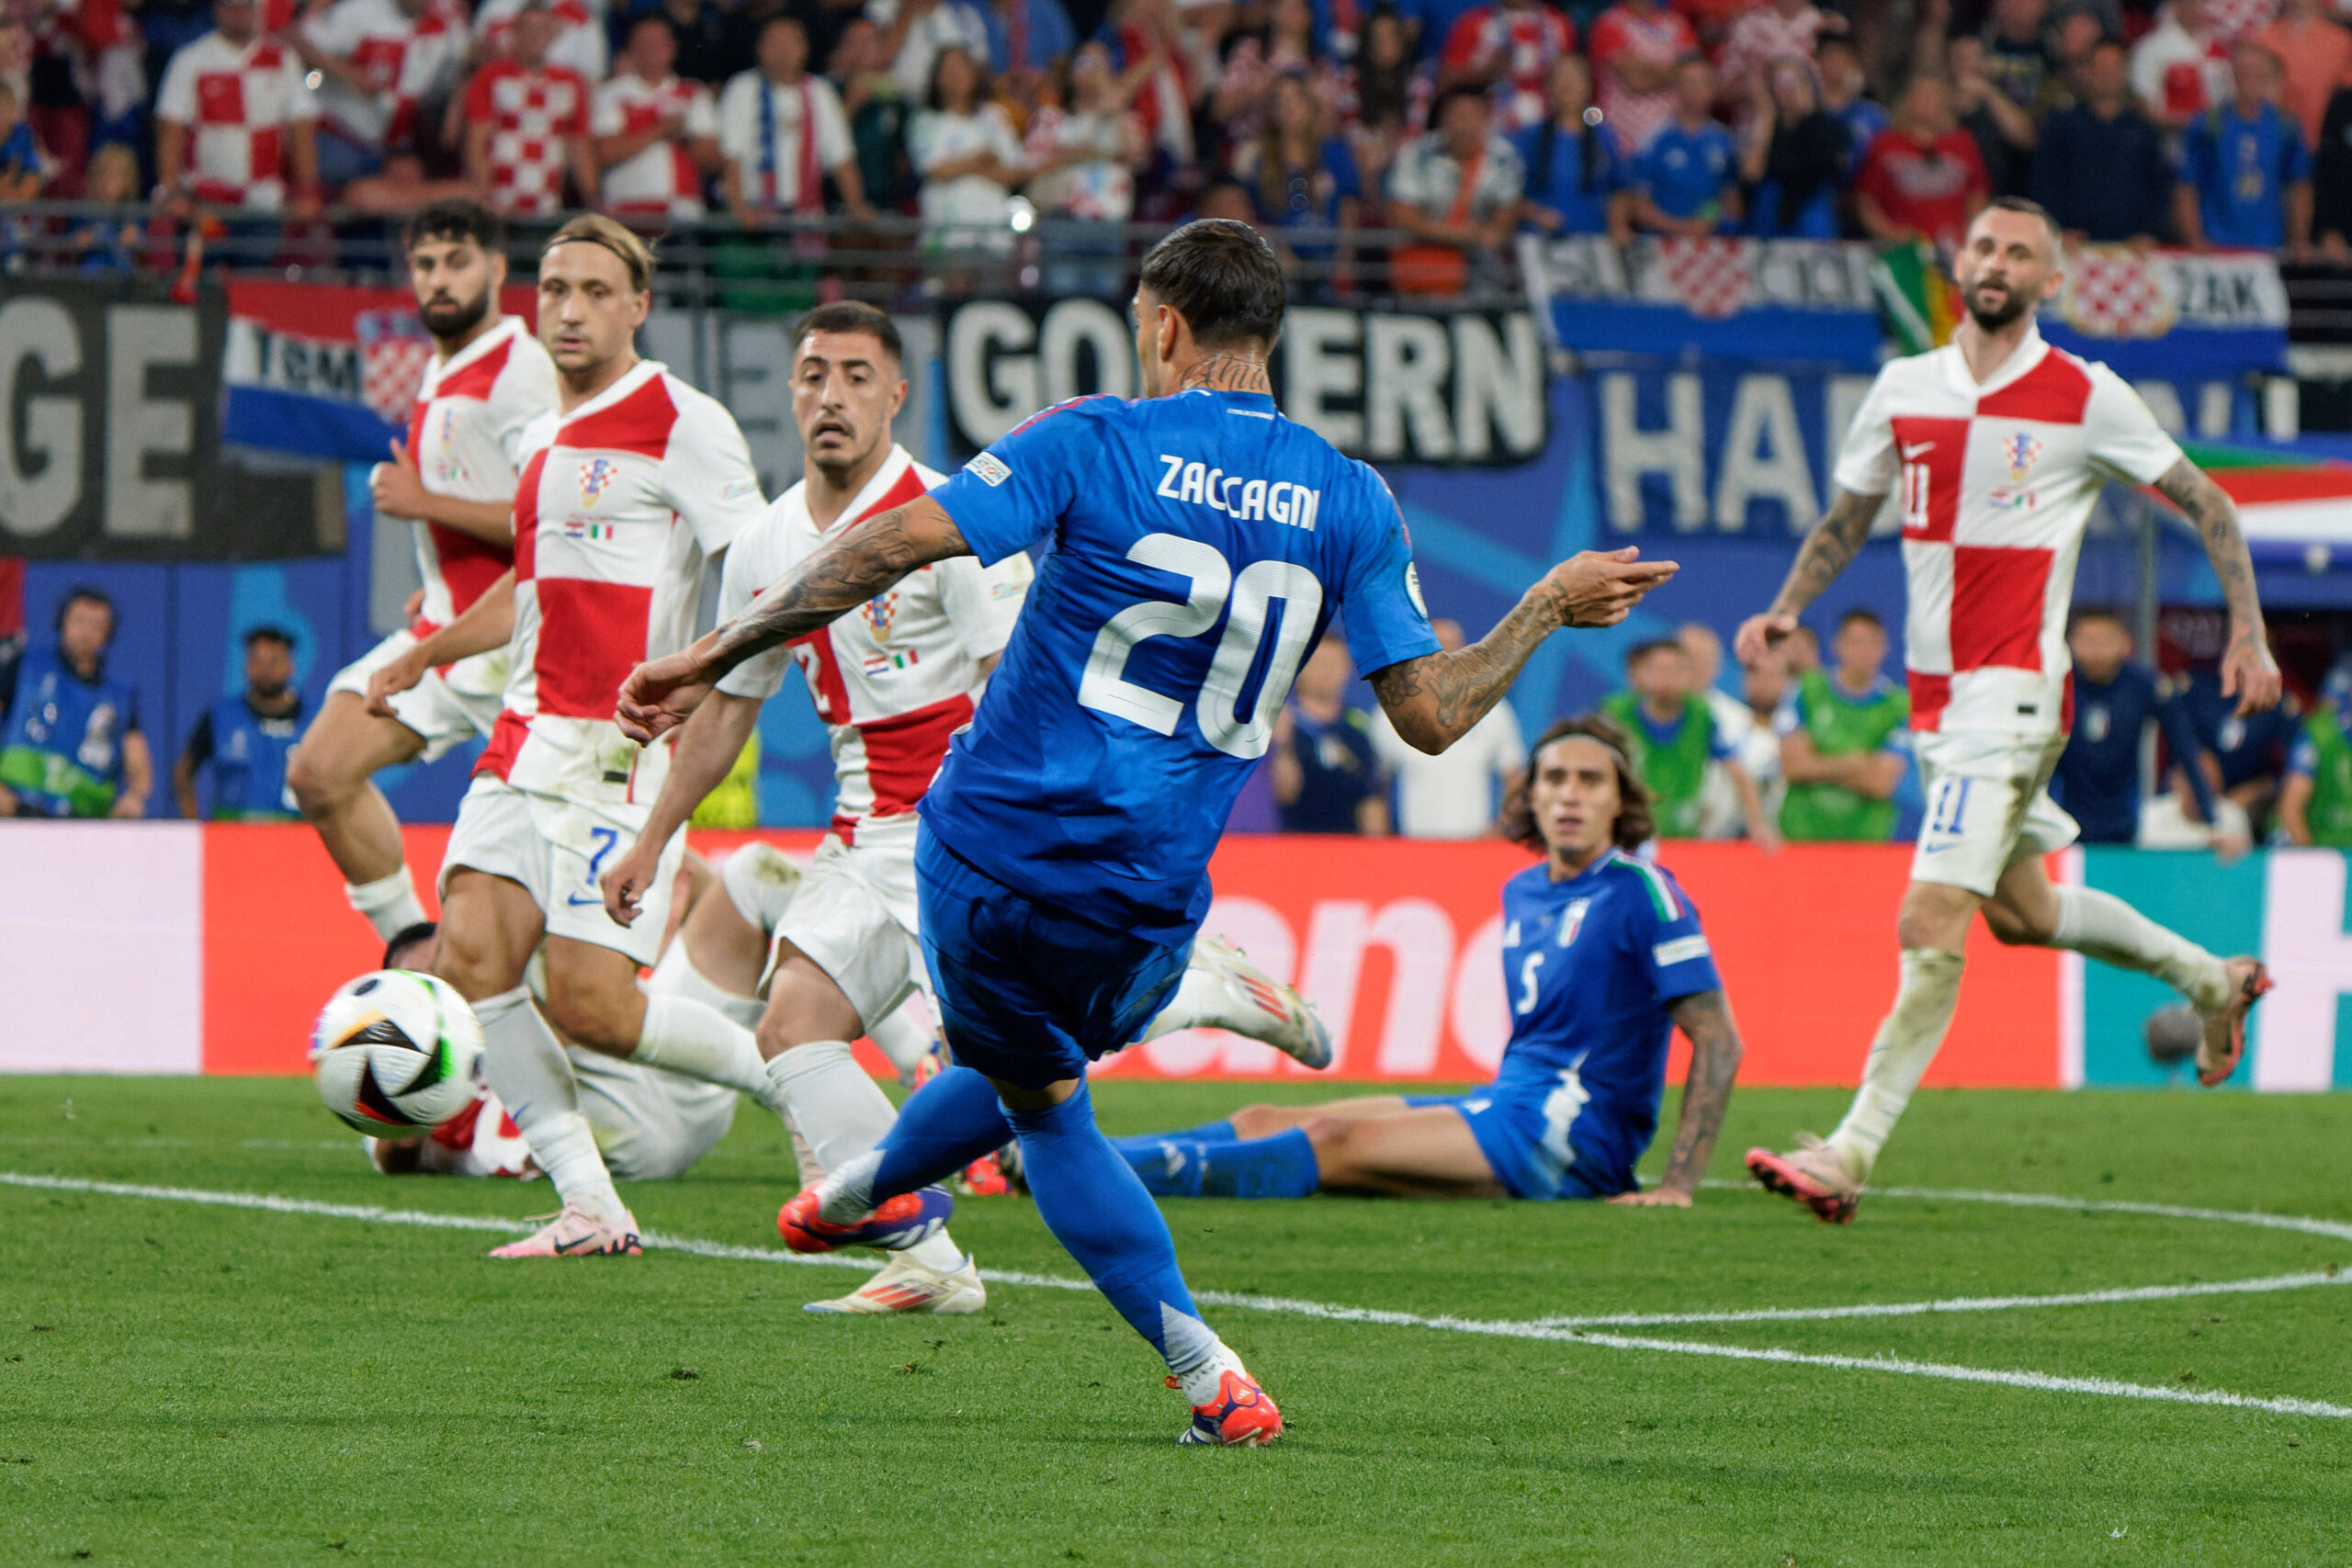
[635, 487]
[453, 481]
[1999, 444]
[892, 680]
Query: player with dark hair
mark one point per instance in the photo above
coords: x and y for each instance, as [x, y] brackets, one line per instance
[1202, 544]
[1999, 445]
[453, 480]
[1602, 959]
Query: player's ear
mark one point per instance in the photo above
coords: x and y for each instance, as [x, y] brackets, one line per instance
[898, 397]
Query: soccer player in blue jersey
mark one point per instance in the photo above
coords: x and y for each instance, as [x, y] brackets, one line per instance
[1603, 958]
[1200, 545]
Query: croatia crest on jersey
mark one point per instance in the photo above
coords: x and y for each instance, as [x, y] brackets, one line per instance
[878, 612]
[595, 478]
[2020, 451]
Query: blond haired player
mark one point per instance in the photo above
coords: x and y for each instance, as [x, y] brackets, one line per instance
[634, 488]
[1999, 444]
[452, 479]
[893, 680]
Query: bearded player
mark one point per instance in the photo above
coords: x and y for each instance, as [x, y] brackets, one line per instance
[2000, 443]
[892, 680]
[635, 487]
[453, 480]
[1202, 544]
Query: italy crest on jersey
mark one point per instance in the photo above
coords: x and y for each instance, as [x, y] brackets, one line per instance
[596, 476]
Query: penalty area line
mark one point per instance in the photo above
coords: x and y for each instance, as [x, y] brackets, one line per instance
[1552, 1330]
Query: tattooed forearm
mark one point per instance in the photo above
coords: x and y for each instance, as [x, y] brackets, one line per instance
[845, 572]
[1827, 550]
[2207, 505]
[1229, 373]
[1706, 1091]
[1434, 700]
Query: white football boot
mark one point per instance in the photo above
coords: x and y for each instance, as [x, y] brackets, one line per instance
[905, 1285]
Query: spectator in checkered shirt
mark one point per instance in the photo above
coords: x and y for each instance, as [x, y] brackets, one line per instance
[387, 65]
[783, 132]
[526, 123]
[234, 120]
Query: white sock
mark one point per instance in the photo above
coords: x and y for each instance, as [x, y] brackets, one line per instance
[389, 902]
[526, 1069]
[1200, 1001]
[1908, 1041]
[1198, 1358]
[904, 1038]
[812, 1169]
[838, 1109]
[677, 975]
[684, 1036]
[2099, 925]
[846, 1195]
[937, 1252]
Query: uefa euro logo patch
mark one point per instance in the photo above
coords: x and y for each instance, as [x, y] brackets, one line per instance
[596, 476]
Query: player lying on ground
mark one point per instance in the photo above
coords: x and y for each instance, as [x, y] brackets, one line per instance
[2000, 443]
[892, 680]
[1062, 864]
[454, 481]
[1602, 959]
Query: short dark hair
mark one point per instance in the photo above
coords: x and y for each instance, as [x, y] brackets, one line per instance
[2031, 208]
[454, 218]
[781, 17]
[1863, 613]
[1641, 651]
[851, 316]
[406, 938]
[1633, 827]
[1447, 99]
[278, 635]
[981, 88]
[2101, 613]
[1223, 278]
[88, 594]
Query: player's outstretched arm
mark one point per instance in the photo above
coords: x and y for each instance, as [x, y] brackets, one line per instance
[2248, 673]
[1434, 701]
[706, 748]
[1706, 1018]
[1826, 551]
[845, 572]
[487, 623]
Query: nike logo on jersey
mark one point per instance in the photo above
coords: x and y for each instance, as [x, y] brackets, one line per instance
[1912, 453]
[1245, 500]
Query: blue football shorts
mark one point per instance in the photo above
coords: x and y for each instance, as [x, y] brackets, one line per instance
[1530, 1137]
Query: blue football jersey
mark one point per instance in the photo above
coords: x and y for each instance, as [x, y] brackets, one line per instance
[1592, 967]
[1192, 549]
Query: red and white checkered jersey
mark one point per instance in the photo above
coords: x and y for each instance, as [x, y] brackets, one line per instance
[1996, 480]
[1524, 43]
[532, 116]
[237, 103]
[897, 676]
[407, 59]
[466, 435]
[661, 180]
[623, 503]
[579, 35]
[480, 1140]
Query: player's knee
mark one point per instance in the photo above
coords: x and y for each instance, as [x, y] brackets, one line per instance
[600, 1022]
[1257, 1121]
[778, 1032]
[315, 781]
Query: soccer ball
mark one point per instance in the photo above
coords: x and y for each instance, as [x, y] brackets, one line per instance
[396, 1053]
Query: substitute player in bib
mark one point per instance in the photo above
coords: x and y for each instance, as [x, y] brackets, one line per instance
[2000, 443]
[635, 487]
[452, 479]
[1201, 545]
[1603, 958]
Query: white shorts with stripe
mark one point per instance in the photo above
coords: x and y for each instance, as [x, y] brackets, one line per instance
[855, 916]
[443, 710]
[557, 850]
[1988, 805]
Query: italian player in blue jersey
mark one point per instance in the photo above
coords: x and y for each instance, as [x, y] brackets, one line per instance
[1603, 958]
[1195, 546]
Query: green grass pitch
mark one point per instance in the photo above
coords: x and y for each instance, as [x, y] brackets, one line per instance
[191, 1383]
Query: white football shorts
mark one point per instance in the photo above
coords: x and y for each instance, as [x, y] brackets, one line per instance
[761, 881]
[1988, 805]
[444, 710]
[649, 1124]
[855, 916]
[557, 850]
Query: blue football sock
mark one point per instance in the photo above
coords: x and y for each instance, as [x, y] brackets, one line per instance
[1280, 1167]
[1211, 1133]
[1169, 1166]
[1090, 1200]
[942, 1127]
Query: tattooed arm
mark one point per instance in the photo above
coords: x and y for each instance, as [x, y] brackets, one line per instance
[1826, 551]
[1706, 1090]
[1434, 700]
[843, 573]
[2248, 673]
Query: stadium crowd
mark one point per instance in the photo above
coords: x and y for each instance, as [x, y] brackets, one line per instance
[2194, 122]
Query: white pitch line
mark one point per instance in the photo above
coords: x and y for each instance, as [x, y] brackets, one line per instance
[2334, 1229]
[1555, 1330]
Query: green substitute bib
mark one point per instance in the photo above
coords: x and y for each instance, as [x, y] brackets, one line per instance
[2330, 811]
[1842, 726]
[1674, 770]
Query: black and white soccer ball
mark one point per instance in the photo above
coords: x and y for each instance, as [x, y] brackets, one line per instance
[395, 1054]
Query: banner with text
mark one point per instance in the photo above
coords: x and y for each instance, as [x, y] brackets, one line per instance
[1388, 387]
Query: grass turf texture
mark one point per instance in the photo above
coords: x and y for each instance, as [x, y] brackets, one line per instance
[182, 1384]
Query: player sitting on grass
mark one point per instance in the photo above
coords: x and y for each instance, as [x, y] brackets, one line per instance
[1602, 959]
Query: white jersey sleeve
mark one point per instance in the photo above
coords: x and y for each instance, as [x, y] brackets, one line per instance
[702, 115]
[1866, 458]
[737, 117]
[708, 475]
[523, 393]
[983, 602]
[760, 677]
[176, 100]
[2122, 434]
